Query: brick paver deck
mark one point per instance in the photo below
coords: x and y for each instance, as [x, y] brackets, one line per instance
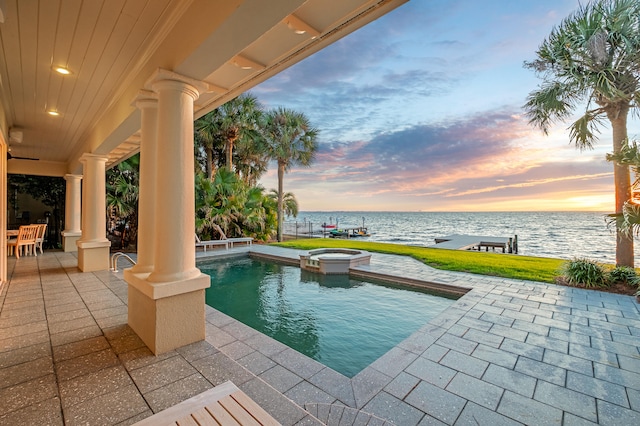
[508, 352]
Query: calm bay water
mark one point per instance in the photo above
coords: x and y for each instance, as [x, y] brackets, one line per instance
[548, 234]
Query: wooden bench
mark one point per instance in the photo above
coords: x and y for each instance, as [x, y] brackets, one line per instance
[223, 405]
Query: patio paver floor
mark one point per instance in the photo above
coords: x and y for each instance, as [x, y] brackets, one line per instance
[508, 352]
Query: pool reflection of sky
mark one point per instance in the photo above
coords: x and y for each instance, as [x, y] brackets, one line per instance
[343, 323]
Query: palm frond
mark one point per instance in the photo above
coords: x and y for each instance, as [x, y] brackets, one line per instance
[629, 155]
[627, 222]
[593, 54]
[583, 132]
[548, 104]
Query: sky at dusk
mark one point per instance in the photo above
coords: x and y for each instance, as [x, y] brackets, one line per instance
[421, 110]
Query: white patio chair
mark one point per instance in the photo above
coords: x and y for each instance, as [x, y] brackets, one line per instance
[211, 243]
[223, 237]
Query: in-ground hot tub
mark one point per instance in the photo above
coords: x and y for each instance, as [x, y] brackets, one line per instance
[333, 260]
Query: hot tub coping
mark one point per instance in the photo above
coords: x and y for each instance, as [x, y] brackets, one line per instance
[320, 260]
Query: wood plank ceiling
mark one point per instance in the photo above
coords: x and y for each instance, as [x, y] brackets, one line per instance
[109, 46]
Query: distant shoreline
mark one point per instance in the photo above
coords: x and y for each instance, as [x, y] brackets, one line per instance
[451, 211]
[557, 234]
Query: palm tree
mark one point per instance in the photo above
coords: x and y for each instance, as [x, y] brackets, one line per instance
[592, 57]
[258, 215]
[237, 208]
[250, 159]
[290, 140]
[122, 184]
[208, 141]
[629, 221]
[289, 202]
[218, 202]
[236, 119]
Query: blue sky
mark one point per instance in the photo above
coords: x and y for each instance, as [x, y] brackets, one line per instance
[422, 110]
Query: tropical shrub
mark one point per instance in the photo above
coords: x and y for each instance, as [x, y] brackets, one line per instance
[122, 203]
[237, 208]
[584, 272]
[625, 275]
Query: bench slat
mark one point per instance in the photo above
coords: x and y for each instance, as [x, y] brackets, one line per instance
[186, 421]
[238, 412]
[252, 407]
[204, 418]
[220, 414]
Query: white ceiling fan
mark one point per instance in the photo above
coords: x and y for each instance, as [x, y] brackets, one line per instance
[15, 136]
[15, 157]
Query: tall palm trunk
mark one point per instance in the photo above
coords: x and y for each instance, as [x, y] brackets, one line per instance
[280, 198]
[621, 176]
[232, 136]
[229, 152]
[209, 161]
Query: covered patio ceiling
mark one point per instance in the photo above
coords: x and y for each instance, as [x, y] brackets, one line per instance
[111, 48]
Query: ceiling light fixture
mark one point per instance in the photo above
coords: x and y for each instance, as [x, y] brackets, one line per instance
[246, 63]
[15, 135]
[62, 70]
[53, 112]
[299, 26]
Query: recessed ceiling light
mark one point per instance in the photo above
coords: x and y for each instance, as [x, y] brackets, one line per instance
[53, 112]
[300, 27]
[245, 63]
[62, 70]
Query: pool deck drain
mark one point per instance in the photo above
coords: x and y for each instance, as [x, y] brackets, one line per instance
[507, 352]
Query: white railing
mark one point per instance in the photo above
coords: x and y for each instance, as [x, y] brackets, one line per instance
[114, 260]
[304, 229]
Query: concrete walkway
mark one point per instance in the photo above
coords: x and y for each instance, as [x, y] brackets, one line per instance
[508, 352]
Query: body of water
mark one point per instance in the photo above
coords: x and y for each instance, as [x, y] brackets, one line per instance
[548, 234]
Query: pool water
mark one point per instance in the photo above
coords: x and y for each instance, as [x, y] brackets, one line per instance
[344, 323]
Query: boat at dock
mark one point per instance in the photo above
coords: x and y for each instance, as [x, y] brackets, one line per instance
[350, 232]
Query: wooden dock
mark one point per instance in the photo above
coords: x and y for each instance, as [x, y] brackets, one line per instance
[476, 242]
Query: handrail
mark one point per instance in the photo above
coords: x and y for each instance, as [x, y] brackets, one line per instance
[114, 260]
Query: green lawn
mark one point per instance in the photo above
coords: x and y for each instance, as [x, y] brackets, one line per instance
[495, 264]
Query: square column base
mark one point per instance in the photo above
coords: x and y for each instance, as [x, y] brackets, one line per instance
[69, 241]
[93, 256]
[169, 318]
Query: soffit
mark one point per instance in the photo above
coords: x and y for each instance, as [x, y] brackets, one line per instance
[113, 46]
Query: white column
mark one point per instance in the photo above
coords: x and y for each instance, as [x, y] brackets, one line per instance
[93, 246]
[147, 193]
[72, 213]
[3, 209]
[166, 306]
[175, 219]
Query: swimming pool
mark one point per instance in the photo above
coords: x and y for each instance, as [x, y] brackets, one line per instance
[344, 323]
